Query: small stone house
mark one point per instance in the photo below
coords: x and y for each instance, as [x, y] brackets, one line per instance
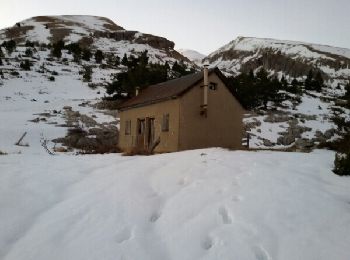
[191, 112]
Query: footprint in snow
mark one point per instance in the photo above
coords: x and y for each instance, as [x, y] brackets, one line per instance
[183, 181]
[261, 253]
[123, 235]
[207, 243]
[225, 216]
[154, 217]
[237, 198]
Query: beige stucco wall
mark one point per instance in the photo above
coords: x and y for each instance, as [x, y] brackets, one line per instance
[223, 126]
[168, 140]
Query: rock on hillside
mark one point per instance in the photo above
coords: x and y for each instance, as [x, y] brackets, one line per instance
[292, 59]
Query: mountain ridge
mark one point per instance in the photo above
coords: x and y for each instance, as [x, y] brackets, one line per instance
[292, 59]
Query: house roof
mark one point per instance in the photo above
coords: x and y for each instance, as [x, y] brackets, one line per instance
[170, 89]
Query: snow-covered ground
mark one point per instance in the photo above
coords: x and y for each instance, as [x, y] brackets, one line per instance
[201, 204]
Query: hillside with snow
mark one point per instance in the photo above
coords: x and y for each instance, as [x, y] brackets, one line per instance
[92, 31]
[303, 120]
[192, 55]
[288, 58]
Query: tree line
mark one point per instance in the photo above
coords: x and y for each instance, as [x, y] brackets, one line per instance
[256, 90]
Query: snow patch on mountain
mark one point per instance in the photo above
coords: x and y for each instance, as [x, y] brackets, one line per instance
[192, 55]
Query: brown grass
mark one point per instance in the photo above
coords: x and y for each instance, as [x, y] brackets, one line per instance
[136, 151]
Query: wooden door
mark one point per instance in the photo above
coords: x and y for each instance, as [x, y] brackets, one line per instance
[140, 135]
[150, 131]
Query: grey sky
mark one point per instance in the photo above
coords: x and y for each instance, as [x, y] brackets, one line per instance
[205, 25]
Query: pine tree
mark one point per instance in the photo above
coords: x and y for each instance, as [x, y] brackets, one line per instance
[99, 56]
[319, 82]
[29, 52]
[56, 50]
[1, 62]
[10, 46]
[117, 61]
[86, 54]
[87, 74]
[25, 65]
[125, 60]
[308, 80]
[294, 87]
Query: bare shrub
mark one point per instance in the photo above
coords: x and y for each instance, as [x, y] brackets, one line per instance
[137, 151]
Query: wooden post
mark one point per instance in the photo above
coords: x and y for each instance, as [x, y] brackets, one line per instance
[248, 137]
[20, 139]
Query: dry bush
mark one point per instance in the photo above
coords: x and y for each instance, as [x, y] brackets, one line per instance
[108, 104]
[2, 153]
[137, 151]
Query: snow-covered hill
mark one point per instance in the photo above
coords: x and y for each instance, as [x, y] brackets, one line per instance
[92, 31]
[302, 120]
[289, 58]
[192, 55]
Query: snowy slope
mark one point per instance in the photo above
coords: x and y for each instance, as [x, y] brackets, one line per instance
[192, 55]
[289, 58]
[94, 32]
[202, 204]
[42, 28]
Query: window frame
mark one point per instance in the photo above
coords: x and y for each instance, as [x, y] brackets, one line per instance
[166, 122]
[127, 130]
[213, 86]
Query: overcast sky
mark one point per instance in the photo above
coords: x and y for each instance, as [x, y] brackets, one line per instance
[205, 25]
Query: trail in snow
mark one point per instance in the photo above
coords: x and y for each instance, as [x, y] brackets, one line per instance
[202, 204]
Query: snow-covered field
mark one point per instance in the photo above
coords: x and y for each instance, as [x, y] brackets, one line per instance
[201, 204]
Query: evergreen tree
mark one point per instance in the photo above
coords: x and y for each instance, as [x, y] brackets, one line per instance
[347, 91]
[1, 62]
[294, 87]
[57, 47]
[87, 74]
[29, 52]
[125, 60]
[10, 46]
[99, 56]
[86, 54]
[180, 69]
[1, 53]
[29, 44]
[319, 82]
[308, 80]
[347, 94]
[117, 61]
[25, 65]
[284, 83]
[140, 74]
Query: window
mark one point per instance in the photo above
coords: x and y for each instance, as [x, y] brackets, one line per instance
[165, 123]
[141, 126]
[213, 86]
[127, 127]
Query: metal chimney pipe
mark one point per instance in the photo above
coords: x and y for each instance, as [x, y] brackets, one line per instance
[205, 87]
